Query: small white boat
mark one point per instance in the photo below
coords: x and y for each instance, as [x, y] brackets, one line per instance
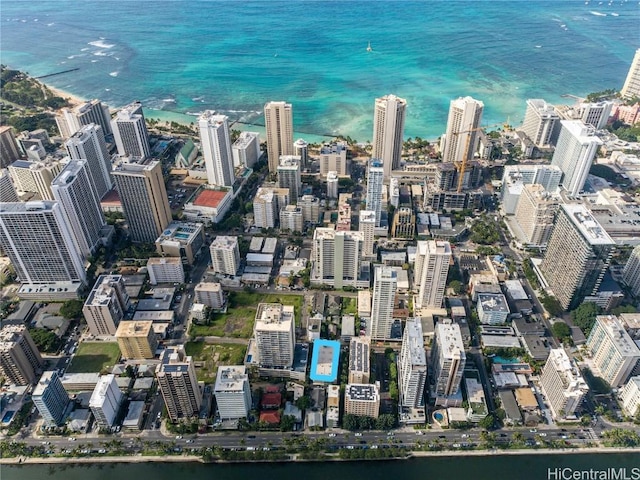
[369, 49]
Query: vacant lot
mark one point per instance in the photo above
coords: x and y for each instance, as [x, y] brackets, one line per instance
[207, 357]
[94, 357]
[239, 319]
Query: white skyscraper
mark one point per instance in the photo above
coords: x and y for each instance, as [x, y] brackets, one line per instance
[431, 269]
[225, 255]
[631, 273]
[375, 178]
[301, 149]
[541, 123]
[105, 400]
[388, 131]
[106, 305]
[88, 144]
[39, 243]
[596, 114]
[448, 359]
[215, 144]
[72, 189]
[412, 366]
[563, 385]
[577, 147]
[70, 120]
[278, 121]
[130, 132]
[232, 392]
[274, 333]
[289, 175]
[35, 177]
[246, 149]
[367, 226]
[385, 284]
[465, 115]
[535, 213]
[336, 258]
[631, 87]
[332, 184]
[267, 205]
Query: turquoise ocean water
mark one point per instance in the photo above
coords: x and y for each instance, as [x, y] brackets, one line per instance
[234, 56]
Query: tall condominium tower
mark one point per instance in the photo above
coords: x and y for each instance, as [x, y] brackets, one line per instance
[215, 143]
[106, 305]
[577, 147]
[72, 189]
[51, 398]
[35, 177]
[388, 131]
[375, 178]
[7, 191]
[596, 114]
[333, 158]
[105, 401]
[289, 175]
[465, 115]
[431, 269]
[130, 132]
[144, 199]
[267, 205]
[541, 123]
[385, 284]
[412, 366]
[39, 243]
[631, 272]
[577, 256]
[232, 392]
[359, 353]
[274, 333]
[70, 120]
[336, 257]
[136, 339]
[301, 149]
[549, 176]
[612, 350]
[631, 87]
[367, 225]
[563, 385]
[9, 151]
[246, 149]
[88, 144]
[332, 184]
[278, 121]
[448, 360]
[176, 375]
[535, 213]
[20, 361]
[225, 255]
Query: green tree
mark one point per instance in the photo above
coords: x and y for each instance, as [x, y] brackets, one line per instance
[303, 403]
[488, 422]
[585, 316]
[456, 286]
[551, 305]
[71, 309]
[350, 422]
[45, 340]
[560, 330]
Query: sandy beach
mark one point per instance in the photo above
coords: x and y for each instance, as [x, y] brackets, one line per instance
[73, 99]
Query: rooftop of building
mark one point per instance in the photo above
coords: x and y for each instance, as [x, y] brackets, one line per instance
[493, 302]
[210, 198]
[245, 138]
[153, 261]
[134, 328]
[414, 341]
[208, 287]
[183, 232]
[515, 290]
[174, 360]
[46, 378]
[359, 351]
[231, 378]
[562, 364]
[102, 387]
[449, 337]
[224, 242]
[362, 392]
[616, 333]
[587, 225]
[324, 361]
[274, 316]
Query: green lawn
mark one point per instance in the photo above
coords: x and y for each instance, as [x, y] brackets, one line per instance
[239, 319]
[208, 357]
[94, 357]
[349, 306]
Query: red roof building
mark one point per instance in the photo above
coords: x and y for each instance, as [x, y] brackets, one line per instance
[271, 401]
[271, 417]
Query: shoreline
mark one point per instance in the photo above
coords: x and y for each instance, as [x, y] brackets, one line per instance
[294, 459]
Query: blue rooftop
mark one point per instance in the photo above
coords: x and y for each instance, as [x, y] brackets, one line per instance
[324, 361]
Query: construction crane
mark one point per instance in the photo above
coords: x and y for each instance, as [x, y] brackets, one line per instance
[461, 166]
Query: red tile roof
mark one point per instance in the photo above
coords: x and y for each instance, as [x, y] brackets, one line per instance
[271, 400]
[209, 198]
[272, 417]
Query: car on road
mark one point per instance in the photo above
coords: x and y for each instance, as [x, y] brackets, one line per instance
[189, 441]
[419, 432]
[178, 437]
[543, 434]
[533, 430]
[332, 434]
[358, 434]
[464, 435]
[72, 439]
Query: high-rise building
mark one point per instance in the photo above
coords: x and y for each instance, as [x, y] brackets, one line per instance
[631, 87]
[301, 149]
[465, 115]
[176, 375]
[630, 397]
[130, 132]
[596, 114]
[577, 147]
[39, 242]
[274, 334]
[106, 305]
[431, 269]
[310, 206]
[631, 272]
[209, 294]
[612, 350]
[246, 150]
[332, 184]
[72, 189]
[165, 270]
[9, 151]
[375, 178]
[362, 400]
[7, 191]
[448, 359]
[291, 219]
[50, 398]
[105, 401]
[336, 258]
[404, 223]
[549, 176]
[144, 199]
[70, 120]
[577, 257]
[181, 239]
[563, 385]
[35, 177]
[232, 392]
[541, 123]
[267, 205]
[359, 352]
[367, 225]
[20, 360]
[388, 131]
[137, 340]
[535, 213]
[412, 366]
[333, 158]
[278, 121]
[88, 144]
[289, 175]
[385, 285]
[215, 143]
[225, 255]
